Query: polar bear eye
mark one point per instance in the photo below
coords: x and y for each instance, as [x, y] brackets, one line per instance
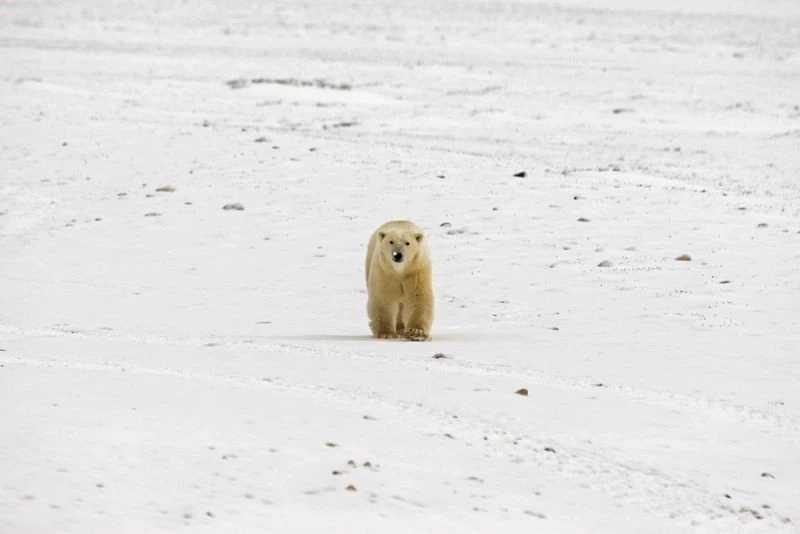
[407, 243]
[391, 242]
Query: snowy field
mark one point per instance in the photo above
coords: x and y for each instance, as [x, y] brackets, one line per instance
[170, 366]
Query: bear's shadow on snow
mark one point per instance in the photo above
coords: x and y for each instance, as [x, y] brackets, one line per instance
[450, 336]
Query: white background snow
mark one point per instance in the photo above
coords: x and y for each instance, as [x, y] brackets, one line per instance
[170, 366]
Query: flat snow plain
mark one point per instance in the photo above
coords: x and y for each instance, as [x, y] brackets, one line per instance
[170, 366]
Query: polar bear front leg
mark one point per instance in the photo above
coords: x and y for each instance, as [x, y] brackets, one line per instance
[382, 320]
[418, 317]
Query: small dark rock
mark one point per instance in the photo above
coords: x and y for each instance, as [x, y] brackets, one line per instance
[549, 449]
[260, 140]
[445, 225]
[767, 475]
[604, 263]
[235, 206]
[762, 225]
[683, 257]
[724, 281]
[583, 219]
[522, 391]
[351, 488]
[439, 356]
[165, 189]
[152, 214]
[520, 174]
[331, 444]
[238, 83]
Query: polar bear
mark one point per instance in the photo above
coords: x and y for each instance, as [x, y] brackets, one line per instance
[399, 288]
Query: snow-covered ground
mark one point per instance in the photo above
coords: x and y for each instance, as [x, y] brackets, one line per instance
[169, 366]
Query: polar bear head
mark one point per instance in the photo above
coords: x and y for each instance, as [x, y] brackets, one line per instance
[402, 247]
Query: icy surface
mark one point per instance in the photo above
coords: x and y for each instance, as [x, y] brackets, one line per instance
[170, 365]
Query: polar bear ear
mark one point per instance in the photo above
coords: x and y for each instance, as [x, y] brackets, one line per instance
[381, 235]
[419, 237]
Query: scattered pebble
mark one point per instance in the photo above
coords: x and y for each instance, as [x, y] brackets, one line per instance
[604, 263]
[336, 473]
[445, 225]
[549, 449]
[583, 219]
[534, 514]
[523, 392]
[331, 444]
[260, 140]
[520, 174]
[617, 111]
[724, 281]
[210, 514]
[165, 189]
[152, 214]
[351, 463]
[233, 206]
[683, 257]
[762, 225]
[351, 488]
[767, 475]
[439, 356]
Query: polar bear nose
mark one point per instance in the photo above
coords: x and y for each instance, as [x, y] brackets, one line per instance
[397, 256]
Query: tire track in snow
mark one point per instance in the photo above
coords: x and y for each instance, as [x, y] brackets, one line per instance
[655, 492]
[715, 408]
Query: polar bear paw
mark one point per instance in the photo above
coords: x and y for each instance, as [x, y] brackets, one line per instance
[386, 336]
[415, 334]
